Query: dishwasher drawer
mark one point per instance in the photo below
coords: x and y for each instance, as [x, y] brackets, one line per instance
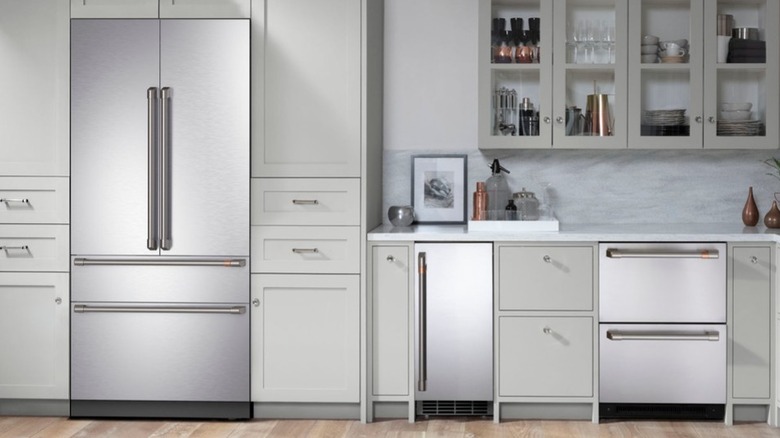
[139, 352]
[662, 363]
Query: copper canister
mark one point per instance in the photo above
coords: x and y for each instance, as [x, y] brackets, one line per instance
[597, 115]
[480, 202]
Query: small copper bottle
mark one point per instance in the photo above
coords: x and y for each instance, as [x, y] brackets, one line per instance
[480, 202]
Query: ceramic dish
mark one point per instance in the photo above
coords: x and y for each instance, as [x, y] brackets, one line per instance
[649, 59]
[648, 49]
[735, 115]
[650, 39]
[736, 106]
[673, 59]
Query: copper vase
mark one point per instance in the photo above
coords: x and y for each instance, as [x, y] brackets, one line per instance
[772, 218]
[750, 212]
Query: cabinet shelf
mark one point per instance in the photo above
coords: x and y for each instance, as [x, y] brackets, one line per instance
[742, 67]
[515, 67]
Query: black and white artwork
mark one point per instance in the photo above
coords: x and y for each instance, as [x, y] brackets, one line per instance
[439, 188]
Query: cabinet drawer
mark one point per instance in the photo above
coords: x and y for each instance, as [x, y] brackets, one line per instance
[34, 248]
[546, 277]
[545, 356]
[33, 200]
[305, 201]
[306, 250]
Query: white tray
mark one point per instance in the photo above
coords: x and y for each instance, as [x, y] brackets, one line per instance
[518, 226]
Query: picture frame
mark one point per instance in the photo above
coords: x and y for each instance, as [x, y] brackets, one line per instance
[439, 188]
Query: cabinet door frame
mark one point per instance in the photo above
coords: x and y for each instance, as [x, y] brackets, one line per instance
[261, 347]
[58, 359]
[281, 118]
[114, 9]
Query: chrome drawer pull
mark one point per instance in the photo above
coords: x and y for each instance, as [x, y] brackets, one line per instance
[20, 248]
[230, 263]
[305, 201]
[694, 254]
[81, 308]
[21, 200]
[305, 250]
[662, 336]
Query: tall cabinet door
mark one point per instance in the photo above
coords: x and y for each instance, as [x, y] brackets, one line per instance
[34, 71]
[205, 63]
[306, 115]
[113, 63]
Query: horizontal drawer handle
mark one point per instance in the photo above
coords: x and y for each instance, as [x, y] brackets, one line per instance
[305, 201]
[20, 200]
[662, 336]
[20, 248]
[229, 263]
[305, 250]
[81, 308]
[639, 254]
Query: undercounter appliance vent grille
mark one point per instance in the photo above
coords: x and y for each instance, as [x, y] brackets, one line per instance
[454, 407]
[662, 411]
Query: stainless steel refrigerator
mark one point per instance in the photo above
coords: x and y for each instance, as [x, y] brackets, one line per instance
[454, 329]
[160, 218]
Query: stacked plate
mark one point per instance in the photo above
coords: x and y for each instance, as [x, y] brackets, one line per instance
[664, 117]
[664, 122]
[740, 128]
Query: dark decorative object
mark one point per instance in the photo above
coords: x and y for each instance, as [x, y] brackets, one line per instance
[772, 218]
[750, 212]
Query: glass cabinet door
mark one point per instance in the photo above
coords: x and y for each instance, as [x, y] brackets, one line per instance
[515, 65]
[590, 78]
[665, 74]
[741, 106]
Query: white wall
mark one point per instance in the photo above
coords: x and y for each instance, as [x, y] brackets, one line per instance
[430, 74]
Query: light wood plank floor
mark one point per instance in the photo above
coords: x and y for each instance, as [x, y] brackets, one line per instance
[58, 427]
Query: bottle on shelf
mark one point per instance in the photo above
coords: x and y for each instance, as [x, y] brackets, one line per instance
[498, 191]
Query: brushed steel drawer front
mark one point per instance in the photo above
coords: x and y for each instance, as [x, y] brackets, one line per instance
[317, 250]
[29, 248]
[305, 201]
[34, 200]
[546, 277]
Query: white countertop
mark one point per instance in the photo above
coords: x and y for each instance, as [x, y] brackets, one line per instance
[731, 232]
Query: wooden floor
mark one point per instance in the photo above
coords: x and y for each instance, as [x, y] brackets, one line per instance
[57, 427]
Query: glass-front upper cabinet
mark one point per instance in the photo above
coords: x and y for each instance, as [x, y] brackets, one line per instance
[515, 74]
[741, 50]
[590, 76]
[703, 74]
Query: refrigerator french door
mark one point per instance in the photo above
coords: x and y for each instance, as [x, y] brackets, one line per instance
[454, 328]
[160, 218]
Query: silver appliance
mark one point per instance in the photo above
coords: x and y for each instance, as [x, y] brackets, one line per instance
[160, 218]
[454, 329]
[663, 335]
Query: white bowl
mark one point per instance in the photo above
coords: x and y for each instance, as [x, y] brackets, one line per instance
[650, 39]
[735, 115]
[649, 59]
[736, 106]
[648, 49]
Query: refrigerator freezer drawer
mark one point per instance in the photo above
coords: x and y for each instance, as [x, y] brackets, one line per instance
[662, 282]
[662, 363]
[205, 281]
[169, 353]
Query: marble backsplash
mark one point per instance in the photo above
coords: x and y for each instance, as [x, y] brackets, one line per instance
[615, 186]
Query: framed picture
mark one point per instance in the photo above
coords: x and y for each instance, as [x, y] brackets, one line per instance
[439, 188]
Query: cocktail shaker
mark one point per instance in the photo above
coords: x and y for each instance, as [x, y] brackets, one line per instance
[597, 117]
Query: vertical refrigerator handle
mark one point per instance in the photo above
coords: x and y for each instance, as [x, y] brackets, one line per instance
[165, 170]
[422, 353]
[151, 213]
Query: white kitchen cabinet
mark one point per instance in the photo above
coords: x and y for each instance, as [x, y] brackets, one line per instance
[305, 334]
[160, 8]
[306, 107]
[546, 278]
[751, 323]
[553, 90]
[700, 84]
[34, 121]
[34, 200]
[545, 356]
[34, 336]
[319, 250]
[391, 284]
[305, 201]
[546, 326]
[29, 248]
